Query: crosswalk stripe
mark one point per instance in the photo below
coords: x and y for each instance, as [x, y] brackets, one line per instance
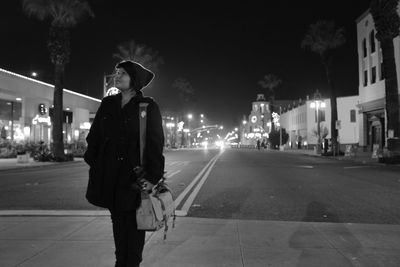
[169, 175]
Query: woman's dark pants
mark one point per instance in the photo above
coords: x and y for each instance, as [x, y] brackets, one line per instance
[129, 241]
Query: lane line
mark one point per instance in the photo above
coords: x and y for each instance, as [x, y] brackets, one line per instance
[357, 167]
[179, 199]
[193, 195]
[306, 166]
[172, 174]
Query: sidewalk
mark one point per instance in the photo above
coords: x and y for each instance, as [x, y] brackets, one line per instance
[10, 164]
[87, 241]
[361, 157]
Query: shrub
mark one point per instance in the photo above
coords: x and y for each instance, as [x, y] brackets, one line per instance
[274, 138]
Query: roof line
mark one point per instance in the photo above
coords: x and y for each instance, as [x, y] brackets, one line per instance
[47, 84]
[363, 15]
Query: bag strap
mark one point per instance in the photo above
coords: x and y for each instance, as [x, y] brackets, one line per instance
[142, 129]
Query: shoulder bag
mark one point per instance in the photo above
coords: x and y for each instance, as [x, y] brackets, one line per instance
[157, 206]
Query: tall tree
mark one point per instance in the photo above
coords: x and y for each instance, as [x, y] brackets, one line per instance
[187, 97]
[270, 82]
[63, 15]
[322, 38]
[140, 53]
[387, 24]
[186, 92]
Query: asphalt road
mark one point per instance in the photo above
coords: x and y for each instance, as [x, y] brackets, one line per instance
[251, 184]
[243, 184]
[63, 187]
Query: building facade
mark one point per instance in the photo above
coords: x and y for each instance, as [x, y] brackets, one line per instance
[373, 132]
[26, 110]
[258, 124]
[301, 122]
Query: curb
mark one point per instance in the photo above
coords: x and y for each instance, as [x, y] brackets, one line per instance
[54, 213]
[39, 165]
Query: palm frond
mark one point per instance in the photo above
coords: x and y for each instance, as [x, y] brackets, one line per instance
[323, 36]
[140, 53]
[37, 8]
[62, 13]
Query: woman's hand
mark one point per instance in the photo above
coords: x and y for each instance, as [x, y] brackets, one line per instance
[146, 185]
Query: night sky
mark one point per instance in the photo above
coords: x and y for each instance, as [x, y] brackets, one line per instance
[223, 50]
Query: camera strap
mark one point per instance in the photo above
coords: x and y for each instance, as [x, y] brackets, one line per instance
[142, 129]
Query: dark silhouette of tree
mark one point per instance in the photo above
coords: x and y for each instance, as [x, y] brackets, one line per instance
[322, 38]
[63, 15]
[140, 53]
[270, 82]
[186, 92]
[387, 24]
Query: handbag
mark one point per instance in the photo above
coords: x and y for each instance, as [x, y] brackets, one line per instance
[158, 205]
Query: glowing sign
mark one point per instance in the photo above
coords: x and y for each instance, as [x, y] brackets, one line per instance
[84, 126]
[37, 119]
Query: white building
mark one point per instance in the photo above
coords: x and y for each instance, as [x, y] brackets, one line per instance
[301, 122]
[371, 83]
[26, 107]
[258, 123]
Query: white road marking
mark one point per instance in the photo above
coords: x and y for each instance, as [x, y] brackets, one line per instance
[177, 163]
[193, 195]
[169, 175]
[356, 167]
[179, 199]
[305, 166]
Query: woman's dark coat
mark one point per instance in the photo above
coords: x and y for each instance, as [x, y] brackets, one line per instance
[113, 152]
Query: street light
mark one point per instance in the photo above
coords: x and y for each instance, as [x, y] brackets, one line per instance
[190, 117]
[318, 104]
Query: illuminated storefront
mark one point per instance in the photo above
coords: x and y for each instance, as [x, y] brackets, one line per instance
[26, 110]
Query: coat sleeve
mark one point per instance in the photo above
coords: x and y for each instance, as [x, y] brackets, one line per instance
[154, 158]
[93, 139]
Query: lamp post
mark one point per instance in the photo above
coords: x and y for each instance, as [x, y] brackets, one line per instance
[190, 116]
[318, 104]
[280, 128]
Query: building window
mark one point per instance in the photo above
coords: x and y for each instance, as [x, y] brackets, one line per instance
[364, 47]
[373, 75]
[321, 114]
[352, 115]
[372, 41]
[365, 78]
[10, 126]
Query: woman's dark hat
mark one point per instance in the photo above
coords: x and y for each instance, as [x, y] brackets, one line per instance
[140, 76]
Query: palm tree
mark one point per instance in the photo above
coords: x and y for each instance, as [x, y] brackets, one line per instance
[63, 15]
[321, 38]
[140, 53]
[187, 96]
[185, 91]
[270, 82]
[387, 24]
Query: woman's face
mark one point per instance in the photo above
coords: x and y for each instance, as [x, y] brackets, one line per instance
[122, 79]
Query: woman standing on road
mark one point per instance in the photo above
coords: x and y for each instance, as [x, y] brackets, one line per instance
[113, 152]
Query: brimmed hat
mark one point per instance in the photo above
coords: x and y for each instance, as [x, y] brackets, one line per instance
[140, 76]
